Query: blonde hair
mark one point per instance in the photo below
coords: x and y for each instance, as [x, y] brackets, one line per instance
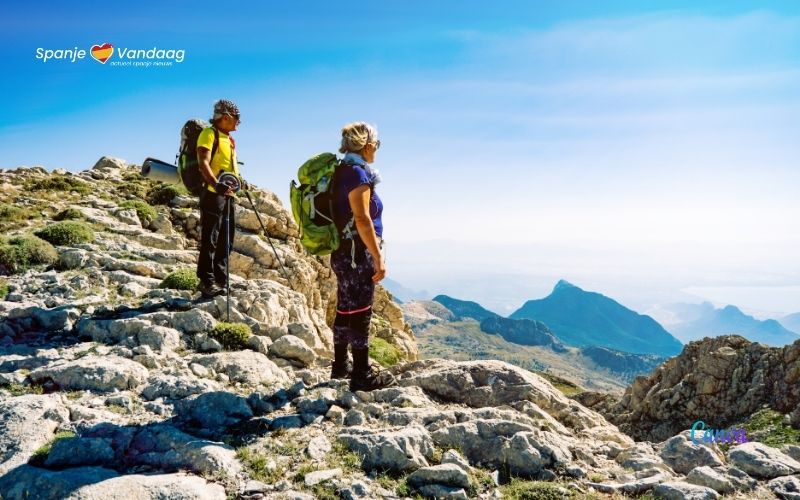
[356, 135]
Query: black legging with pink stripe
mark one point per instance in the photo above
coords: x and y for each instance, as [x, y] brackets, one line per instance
[355, 294]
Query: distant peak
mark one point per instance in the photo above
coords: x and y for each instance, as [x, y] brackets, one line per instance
[563, 285]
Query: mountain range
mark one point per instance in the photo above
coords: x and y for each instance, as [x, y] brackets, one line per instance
[704, 320]
[582, 318]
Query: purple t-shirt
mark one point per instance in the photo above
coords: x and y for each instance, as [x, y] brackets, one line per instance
[346, 178]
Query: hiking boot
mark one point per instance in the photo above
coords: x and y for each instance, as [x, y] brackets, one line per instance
[341, 367]
[342, 370]
[366, 377]
[209, 290]
[373, 379]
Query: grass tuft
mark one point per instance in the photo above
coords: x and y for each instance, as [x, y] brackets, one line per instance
[232, 336]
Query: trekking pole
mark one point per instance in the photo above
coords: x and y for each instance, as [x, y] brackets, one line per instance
[285, 274]
[228, 258]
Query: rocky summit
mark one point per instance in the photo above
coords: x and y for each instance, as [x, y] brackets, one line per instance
[117, 381]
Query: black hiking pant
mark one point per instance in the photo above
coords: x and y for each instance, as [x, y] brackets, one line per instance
[214, 248]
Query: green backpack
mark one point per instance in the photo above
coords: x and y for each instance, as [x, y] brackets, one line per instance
[312, 204]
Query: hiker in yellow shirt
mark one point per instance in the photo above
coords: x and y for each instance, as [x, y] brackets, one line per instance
[216, 154]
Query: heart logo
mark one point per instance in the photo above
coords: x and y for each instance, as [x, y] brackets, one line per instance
[102, 52]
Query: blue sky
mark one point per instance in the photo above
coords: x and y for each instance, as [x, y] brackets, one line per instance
[647, 150]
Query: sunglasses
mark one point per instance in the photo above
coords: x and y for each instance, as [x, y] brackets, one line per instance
[235, 117]
[377, 144]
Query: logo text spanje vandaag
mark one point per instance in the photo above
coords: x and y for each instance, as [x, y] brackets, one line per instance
[103, 52]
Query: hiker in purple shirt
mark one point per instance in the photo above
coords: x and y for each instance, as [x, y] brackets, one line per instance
[358, 262]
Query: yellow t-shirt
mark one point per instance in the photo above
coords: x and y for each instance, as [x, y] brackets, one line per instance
[224, 159]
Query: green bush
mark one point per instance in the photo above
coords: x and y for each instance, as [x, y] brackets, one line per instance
[59, 183]
[768, 426]
[3, 288]
[68, 214]
[143, 209]
[12, 213]
[163, 194]
[232, 336]
[135, 189]
[384, 353]
[66, 233]
[182, 279]
[20, 252]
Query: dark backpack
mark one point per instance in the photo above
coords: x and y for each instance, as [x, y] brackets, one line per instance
[188, 166]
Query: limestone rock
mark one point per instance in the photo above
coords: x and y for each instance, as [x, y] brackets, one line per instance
[762, 461]
[683, 455]
[101, 374]
[445, 474]
[292, 348]
[72, 452]
[26, 423]
[320, 476]
[318, 447]
[495, 383]
[496, 443]
[25, 482]
[720, 479]
[787, 487]
[172, 387]
[684, 491]
[215, 409]
[398, 450]
[247, 367]
[728, 377]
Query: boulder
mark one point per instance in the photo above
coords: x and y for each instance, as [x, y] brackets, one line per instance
[495, 383]
[26, 482]
[292, 348]
[172, 387]
[165, 447]
[444, 474]
[394, 449]
[75, 452]
[683, 491]
[160, 338]
[683, 455]
[27, 423]
[94, 373]
[525, 451]
[786, 487]
[247, 367]
[214, 409]
[762, 461]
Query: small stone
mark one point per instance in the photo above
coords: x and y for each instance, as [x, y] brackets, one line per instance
[354, 417]
[320, 476]
[453, 457]
[335, 414]
[199, 370]
[350, 400]
[318, 447]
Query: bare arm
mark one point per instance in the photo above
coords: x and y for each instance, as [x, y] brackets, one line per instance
[204, 164]
[359, 203]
